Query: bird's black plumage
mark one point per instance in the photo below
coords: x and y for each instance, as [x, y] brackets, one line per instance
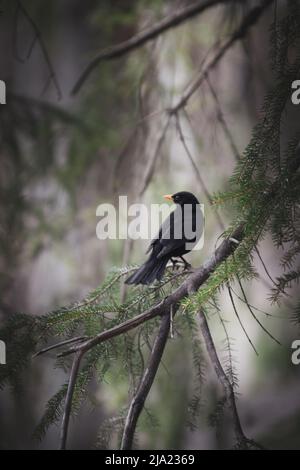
[178, 234]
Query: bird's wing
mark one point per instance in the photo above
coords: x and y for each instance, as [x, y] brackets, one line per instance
[163, 230]
[171, 233]
[181, 229]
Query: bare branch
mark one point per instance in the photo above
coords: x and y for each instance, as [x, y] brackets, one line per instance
[198, 174]
[242, 440]
[69, 398]
[149, 34]
[59, 345]
[253, 314]
[239, 320]
[38, 38]
[146, 382]
[265, 267]
[250, 19]
[152, 161]
[223, 122]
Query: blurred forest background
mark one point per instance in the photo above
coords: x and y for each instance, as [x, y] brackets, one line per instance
[62, 155]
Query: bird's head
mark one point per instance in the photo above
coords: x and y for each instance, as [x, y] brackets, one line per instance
[182, 198]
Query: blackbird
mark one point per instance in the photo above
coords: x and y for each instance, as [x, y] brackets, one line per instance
[178, 234]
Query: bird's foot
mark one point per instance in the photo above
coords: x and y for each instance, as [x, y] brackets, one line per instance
[187, 265]
[174, 263]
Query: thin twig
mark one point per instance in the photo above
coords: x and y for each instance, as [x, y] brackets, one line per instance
[223, 122]
[38, 38]
[149, 34]
[101, 293]
[152, 161]
[253, 314]
[265, 267]
[145, 385]
[59, 345]
[239, 320]
[198, 174]
[255, 308]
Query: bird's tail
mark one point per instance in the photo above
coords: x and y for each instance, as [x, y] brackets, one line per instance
[153, 269]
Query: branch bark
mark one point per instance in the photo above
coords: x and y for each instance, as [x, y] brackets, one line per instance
[69, 398]
[146, 382]
[149, 34]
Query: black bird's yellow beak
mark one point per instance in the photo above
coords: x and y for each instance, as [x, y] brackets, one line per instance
[169, 197]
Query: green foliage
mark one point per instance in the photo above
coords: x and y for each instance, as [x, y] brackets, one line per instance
[122, 357]
[264, 189]
[20, 334]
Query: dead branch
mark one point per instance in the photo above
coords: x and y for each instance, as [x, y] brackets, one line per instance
[69, 397]
[223, 122]
[39, 39]
[149, 34]
[78, 339]
[242, 441]
[251, 18]
[239, 320]
[137, 403]
[198, 174]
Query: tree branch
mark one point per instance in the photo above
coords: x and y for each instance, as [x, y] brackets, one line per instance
[167, 305]
[145, 385]
[192, 283]
[59, 345]
[242, 441]
[250, 19]
[38, 38]
[149, 34]
[69, 398]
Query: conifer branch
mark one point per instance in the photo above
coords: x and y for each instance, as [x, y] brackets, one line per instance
[167, 305]
[189, 285]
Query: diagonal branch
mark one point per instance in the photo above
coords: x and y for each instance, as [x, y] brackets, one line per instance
[39, 39]
[197, 172]
[192, 283]
[149, 34]
[78, 339]
[251, 18]
[69, 398]
[167, 305]
[137, 403]
[242, 441]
